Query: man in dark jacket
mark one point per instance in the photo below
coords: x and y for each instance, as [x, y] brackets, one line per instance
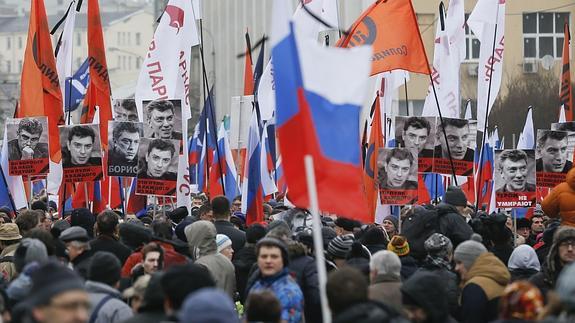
[103, 278]
[152, 308]
[303, 267]
[78, 249]
[245, 259]
[452, 223]
[425, 299]
[106, 236]
[221, 211]
[561, 254]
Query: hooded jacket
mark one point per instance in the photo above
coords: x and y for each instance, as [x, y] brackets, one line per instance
[201, 237]
[523, 263]
[113, 309]
[483, 286]
[560, 203]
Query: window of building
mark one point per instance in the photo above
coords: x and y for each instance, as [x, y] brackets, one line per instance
[124, 63]
[119, 61]
[8, 43]
[19, 42]
[543, 34]
[78, 62]
[472, 44]
[129, 34]
[138, 62]
[130, 63]
[8, 67]
[20, 66]
[138, 39]
[118, 40]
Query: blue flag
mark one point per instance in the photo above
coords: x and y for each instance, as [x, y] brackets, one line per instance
[76, 87]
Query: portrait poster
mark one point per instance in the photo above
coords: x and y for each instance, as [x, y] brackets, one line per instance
[514, 177]
[158, 167]
[123, 143]
[397, 178]
[125, 110]
[418, 134]
[554, 156]
[163, 119]
[459, 140]
[28, 147]
[81, 153]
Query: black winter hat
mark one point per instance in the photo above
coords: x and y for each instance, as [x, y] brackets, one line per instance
[105, 268]
[347, 224]
[523, 223]
[373, 236]
[455, 196]
[82, 217]
[51, 279]
[255, 232]
[134, 235]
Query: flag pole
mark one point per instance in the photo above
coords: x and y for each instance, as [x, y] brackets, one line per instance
[483, 135]
[406, 98]
[213, 117]
[317, 238]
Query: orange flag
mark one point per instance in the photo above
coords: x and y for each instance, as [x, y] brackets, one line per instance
[370, 172]
[248, 72]
[40, 87]
[390, 27]
[566, 94]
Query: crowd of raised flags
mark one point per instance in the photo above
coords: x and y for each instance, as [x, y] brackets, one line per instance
[299, 102]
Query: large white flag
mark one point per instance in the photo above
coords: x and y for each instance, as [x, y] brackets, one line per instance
[449, 52]
[64, 67]
[165, 74]
[487, 16]
[527, 138]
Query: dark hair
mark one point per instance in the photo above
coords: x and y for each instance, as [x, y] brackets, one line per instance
[417, 123]
[107, 222]
[160, 105]
[345, 287]
[27, 220]
[181, 280]
[39, 205]
[82, 132]
[30, 125]
[550, 134]
[130, 127]
[263, 307]
[513, 155]
[205, 208]
[162, 228]
[128, 104]
[457, 123]
[401, 154]
[221, 207]
[163, 145]
[151, 247]
[45, 237]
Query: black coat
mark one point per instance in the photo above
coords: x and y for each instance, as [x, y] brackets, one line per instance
[452, 224]
[238, 237]
[451, 284]
[243, 262]
[82, 263]
[408, 267]
[109, 244]
[305, 271]
[502, 251]
[522, 274]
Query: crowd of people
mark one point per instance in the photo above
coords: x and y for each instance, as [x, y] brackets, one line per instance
[433, 263]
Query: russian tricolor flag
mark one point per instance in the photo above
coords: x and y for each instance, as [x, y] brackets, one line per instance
[319, 93]
[223, 169]
[252, 190]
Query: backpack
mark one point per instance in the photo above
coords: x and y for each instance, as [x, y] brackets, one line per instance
[417, 227]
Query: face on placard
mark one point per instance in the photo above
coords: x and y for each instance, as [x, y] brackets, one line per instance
[80, 149]
[415, 139]
[514, 173]
[162, 123]
[270, 261]
[158, 162]
[457, 139]
[554, 155]
[127, 144]
[28, 139]
[123, 114]
[397, 171]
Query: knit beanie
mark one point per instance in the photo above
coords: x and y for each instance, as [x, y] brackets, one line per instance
[82, 217]
[223, 241]
[468, 251]
[393, 220]
[269, 241]
[255, 232]
[52, 279]
[455, 196]
[339, 246]
[105, 268]
[438, 245]
[399, 246]
[28, 251]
